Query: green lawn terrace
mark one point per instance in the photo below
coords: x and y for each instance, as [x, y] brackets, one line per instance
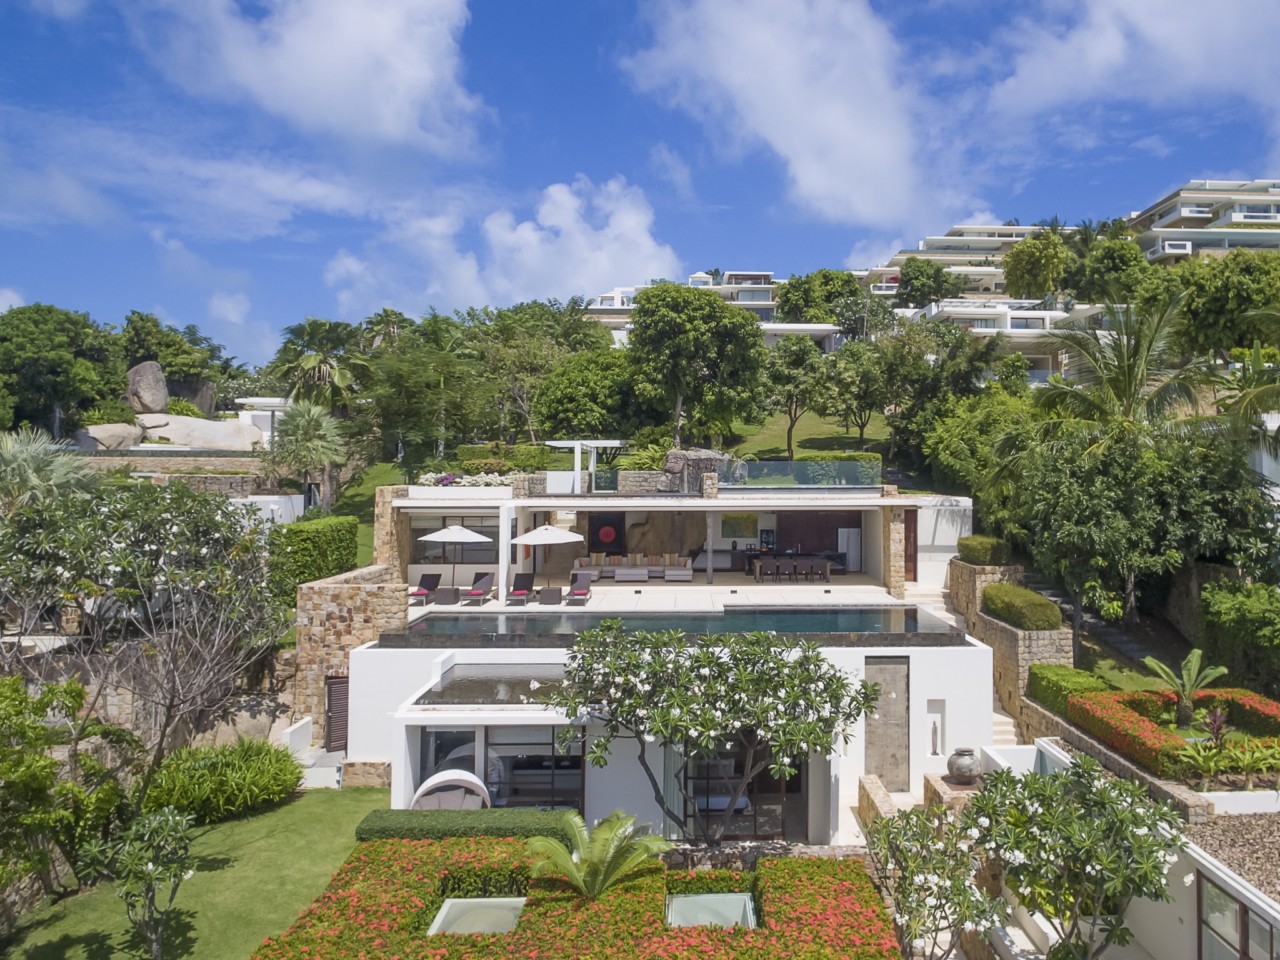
[382, 902]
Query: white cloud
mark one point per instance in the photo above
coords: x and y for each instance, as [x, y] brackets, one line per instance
[10, 298]
[582, 238]
[383, 70]
[670, 166]
[1164, 53]
[230, 308]
[822, 87]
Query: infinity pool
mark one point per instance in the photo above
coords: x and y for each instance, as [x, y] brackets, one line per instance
[733, 620]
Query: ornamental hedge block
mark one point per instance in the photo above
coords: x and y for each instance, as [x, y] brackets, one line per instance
[1051, 684]
[983, 551]
[442, 824]
[1020, 607]
[1124, 721]
[310, 550]
[381, 902]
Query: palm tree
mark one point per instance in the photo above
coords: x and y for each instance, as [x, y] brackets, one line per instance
[611, 853]
[1187, 683]
[35, 467]
[1125, 376]
[323, 361]
[307, 438]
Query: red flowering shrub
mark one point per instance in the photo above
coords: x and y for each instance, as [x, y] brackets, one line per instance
[1123, 721]
[382, 900]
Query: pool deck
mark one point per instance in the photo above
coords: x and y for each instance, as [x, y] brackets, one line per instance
[729, 590]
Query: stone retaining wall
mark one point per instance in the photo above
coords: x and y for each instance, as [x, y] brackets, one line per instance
[967, 582]
[142, 463]
[366, 773]
[873, 800]
[335, 615]
[1013, 651]
[1039, 722]
[950, 796]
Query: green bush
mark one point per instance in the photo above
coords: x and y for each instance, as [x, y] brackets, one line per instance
[518, 822]
[180, 407]
[216, 783]
[1050, 684]
[486, 465]
[983, 551]
[1242, 630]
[108, 411]
[528, 458]
[1020, 607]
[310, 550]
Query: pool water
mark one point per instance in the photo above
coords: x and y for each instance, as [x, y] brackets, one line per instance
[885, 619]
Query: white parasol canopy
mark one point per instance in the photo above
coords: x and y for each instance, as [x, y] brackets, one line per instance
[455, 534]
[547, 536]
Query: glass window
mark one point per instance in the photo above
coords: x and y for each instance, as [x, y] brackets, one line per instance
[477, 553]
[527, 769]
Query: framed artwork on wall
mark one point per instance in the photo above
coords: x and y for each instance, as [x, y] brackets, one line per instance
[739, 526]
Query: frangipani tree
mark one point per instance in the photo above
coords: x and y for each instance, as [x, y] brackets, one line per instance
[777, 702]
[1076, 847]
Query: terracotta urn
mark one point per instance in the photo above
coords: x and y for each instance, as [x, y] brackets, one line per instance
[963, 767]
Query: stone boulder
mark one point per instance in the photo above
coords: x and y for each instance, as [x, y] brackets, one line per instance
[684, 469]
[147, 391]
[108, 436]
[202, 434]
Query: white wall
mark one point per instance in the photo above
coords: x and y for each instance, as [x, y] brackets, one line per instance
[622, 785]
[958, 676]
[873, 545]
[938, 529]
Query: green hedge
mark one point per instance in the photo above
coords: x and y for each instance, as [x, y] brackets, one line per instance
[516, 822]
[216, 783]
[310, 550]
[1020, 607]
[1050, 684]
[1241, 623]
[983, 551]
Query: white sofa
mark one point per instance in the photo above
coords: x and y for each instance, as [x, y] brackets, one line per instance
[636, 568]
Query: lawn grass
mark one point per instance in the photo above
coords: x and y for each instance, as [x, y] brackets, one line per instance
[812, 435]
[253, 877]
[357, 501]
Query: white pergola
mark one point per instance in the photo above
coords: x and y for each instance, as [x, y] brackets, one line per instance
[577, 446]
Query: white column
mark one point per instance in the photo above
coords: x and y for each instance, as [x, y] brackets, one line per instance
[506, 513]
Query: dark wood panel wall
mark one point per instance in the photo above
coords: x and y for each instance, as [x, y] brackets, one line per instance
[815, 532]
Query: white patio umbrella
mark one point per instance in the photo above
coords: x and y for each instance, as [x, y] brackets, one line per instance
[455, 534]
[547, 536]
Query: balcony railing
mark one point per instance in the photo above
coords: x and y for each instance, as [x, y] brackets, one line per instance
[800, 473]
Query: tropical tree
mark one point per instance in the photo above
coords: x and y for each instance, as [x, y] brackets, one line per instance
[792, 378]
[812, 298]
[323, 361]
[53, 364]
[692, 349]
[922, 282]
[1187, 683]
[308, 438]
[1123, 374]
[35, 467]
[850, 387]
[1036, 266]
[1077, 847]
[614, 851]
[924, 860]
[774, 705]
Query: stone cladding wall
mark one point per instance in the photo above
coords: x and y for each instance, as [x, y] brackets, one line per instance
[335, 615]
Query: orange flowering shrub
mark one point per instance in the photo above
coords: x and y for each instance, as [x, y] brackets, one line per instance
[381, 902]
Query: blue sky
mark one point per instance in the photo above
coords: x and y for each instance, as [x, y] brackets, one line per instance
[242, 164]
